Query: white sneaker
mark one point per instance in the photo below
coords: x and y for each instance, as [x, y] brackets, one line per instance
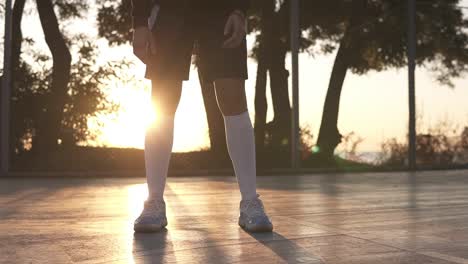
[253, 217]
[152, 218]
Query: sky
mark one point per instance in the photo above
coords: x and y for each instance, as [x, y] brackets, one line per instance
[374, 106]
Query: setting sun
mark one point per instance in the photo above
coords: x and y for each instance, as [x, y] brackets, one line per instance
[126, 127]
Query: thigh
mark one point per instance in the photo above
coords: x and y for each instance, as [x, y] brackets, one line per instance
[230, 94]
[218, 62]
[173, 43]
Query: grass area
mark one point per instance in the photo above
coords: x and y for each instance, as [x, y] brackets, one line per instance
[104, 159]
[436, 148]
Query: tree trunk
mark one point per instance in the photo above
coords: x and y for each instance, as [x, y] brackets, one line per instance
[17, 35]
[261, 106]
[329, 136]
[17, 38]
[49, 128]
[213, 116]
[281, 125]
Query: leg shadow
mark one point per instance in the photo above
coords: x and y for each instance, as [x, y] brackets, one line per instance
[151, 247]
[286, 249]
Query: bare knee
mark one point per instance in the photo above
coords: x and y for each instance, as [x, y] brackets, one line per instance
[230, 94]
[165, 95]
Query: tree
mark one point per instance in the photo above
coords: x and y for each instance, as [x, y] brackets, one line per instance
[49, 128]
[270, 51]
[372, 36]
[84, 98]
[17, 36]
[50, 105]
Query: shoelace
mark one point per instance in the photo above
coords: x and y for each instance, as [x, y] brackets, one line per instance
[150, 208]
[255, 207]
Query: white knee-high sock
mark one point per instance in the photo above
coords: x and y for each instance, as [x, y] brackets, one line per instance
[241, 146]
[158, 148]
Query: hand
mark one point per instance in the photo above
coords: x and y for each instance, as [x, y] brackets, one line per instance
[141, 38]
[236, 29]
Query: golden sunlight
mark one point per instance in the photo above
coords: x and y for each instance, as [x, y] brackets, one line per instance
[137, 193]
[126, 127]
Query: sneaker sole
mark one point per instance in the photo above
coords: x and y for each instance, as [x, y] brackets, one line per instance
[149, 228]
[255, 229]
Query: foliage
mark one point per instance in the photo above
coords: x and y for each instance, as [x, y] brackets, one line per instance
[441, 145]
[114, 21]
[307, 148]
[349, 147]
[86, 93]
[378, 36]
[86, 97]
[67, 9]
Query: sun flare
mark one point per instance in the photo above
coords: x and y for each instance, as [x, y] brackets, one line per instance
[126, 127]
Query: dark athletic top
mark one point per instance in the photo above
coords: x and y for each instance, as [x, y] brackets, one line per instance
[141, 9]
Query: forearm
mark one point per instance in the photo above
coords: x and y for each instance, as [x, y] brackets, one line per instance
[140, 12]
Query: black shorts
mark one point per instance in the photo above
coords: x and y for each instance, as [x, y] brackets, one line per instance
[176, 33]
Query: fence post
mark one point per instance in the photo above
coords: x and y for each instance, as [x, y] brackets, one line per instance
[6, 91]
[295, 30]
[411, 84]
